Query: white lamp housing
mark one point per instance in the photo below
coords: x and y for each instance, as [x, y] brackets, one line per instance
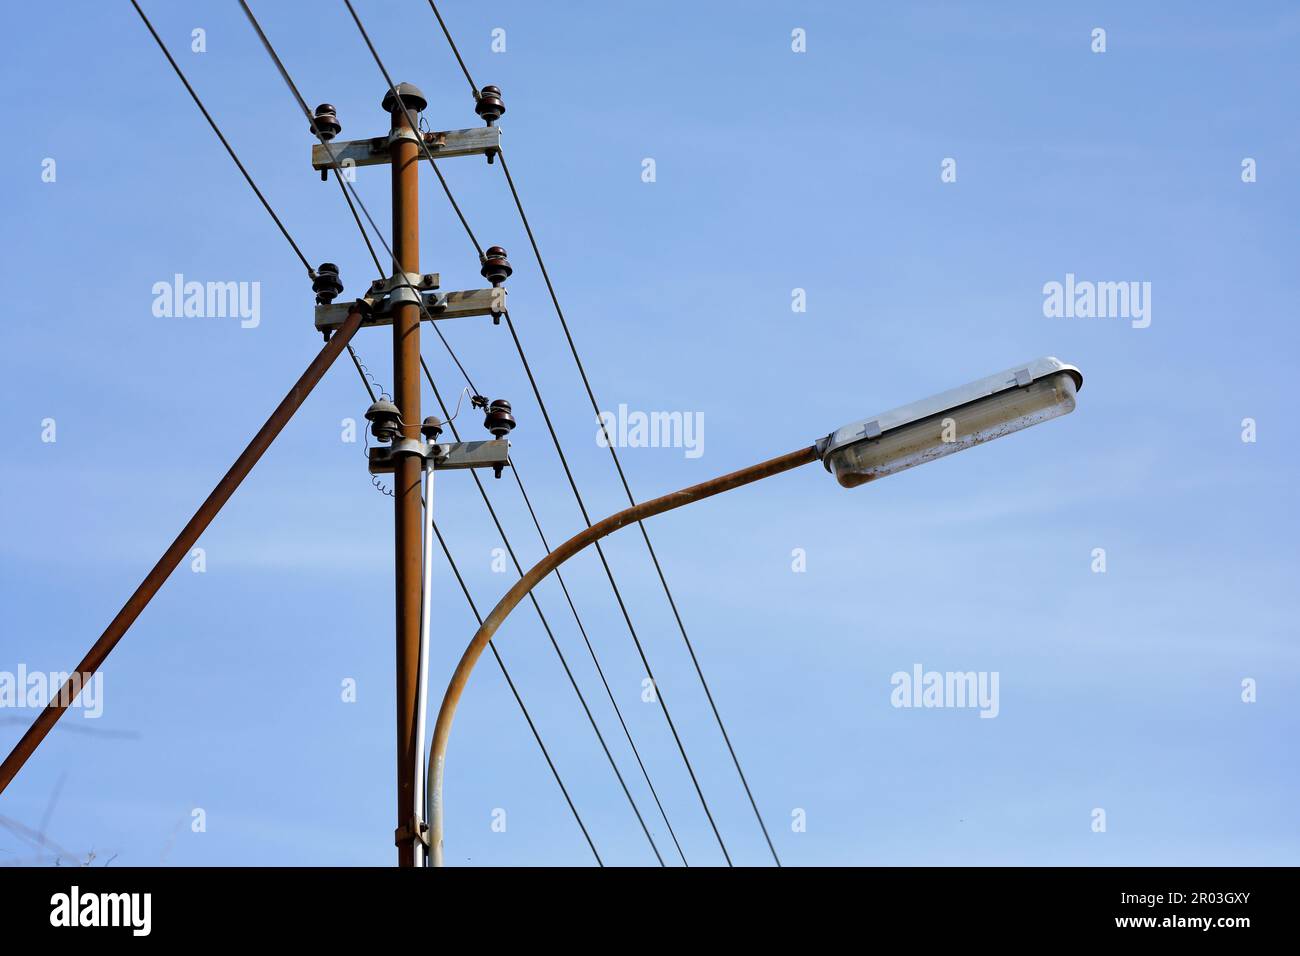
[998, 405]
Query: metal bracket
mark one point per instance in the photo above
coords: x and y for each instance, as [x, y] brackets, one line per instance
[479, 141]
[493, 453]
[415, 830]
[401, 133]
[407, 446]
[437, 305]
[425, 281]
[404, 288]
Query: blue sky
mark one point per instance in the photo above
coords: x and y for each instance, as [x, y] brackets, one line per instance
[775, 170]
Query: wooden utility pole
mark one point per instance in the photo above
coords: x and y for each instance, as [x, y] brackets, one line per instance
[408, 477]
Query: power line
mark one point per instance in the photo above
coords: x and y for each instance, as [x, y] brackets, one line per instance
[338, 178]
[361, 369]
[514, 690]
[224, 142]
[452, 43]
[347, 187]
[550, 634]
[617, 464]
[595, 406]
[572, 607]
[599, 670]
[306, 111]
[253, 185]
[411, 120]
[627, 618]
[581, 629]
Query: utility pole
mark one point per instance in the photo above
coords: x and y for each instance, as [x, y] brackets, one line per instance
[408, 477]
[410, 452]
[403, 299]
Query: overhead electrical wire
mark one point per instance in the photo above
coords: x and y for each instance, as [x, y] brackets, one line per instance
[618, 596]
[452, 43]
[514, 690]
[627, 491]
[224, 142]
[361, 370]
[559, 311]
[599, 670]
[345, 185]
[411, 120]
[555, 644]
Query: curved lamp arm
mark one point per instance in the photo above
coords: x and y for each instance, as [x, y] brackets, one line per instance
[535, 574]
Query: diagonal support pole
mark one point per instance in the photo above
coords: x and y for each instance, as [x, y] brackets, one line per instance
[180, 547]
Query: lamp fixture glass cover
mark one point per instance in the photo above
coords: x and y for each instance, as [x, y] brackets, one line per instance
[998, 405]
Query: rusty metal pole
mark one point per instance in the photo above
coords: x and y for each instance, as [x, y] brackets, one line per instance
[118, 627]
[407, 479]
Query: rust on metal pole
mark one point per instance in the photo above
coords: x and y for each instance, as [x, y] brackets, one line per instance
[94, 658]
[408, 519]
[535, 574]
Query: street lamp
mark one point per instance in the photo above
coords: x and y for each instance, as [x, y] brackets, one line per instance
[913, 434]
[989, 408]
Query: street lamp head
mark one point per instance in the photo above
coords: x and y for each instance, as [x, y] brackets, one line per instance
[998, 405]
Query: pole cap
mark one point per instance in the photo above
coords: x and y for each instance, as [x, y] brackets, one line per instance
[411, 96]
